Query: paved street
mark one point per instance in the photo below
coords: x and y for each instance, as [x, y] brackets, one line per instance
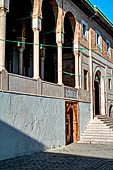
[72, 157]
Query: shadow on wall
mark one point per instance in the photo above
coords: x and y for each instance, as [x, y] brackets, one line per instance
[56, 161]
[15, 143]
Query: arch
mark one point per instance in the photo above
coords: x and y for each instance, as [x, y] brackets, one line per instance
[97, 87]
[98, 76]
[72, 19]
[54, 4]
[19, 28]
[68, 54]
[97, 69]
[48, 54]
[111, 111]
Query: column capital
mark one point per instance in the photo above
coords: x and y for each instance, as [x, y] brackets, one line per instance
[60, 37]
[21, 50]
[4, 5]
[36, 23]
[43, 53]
[75, 46]
[2, 13]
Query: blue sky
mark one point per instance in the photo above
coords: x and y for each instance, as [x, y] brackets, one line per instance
[106, 6]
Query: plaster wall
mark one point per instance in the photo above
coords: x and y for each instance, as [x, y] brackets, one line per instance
[30, 124]
[84, 95]
[84, 110]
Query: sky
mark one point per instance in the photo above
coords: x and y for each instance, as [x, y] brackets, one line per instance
[106, 6]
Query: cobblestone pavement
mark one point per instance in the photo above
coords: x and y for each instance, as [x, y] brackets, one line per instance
[72, 157]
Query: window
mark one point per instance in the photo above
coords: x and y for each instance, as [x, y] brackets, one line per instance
[109, 83]
[85, 80]
[98, 40]
[84, 30]
[108, 47]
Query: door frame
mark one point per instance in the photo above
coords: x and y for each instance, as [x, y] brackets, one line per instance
[72, 105]
[97, 79]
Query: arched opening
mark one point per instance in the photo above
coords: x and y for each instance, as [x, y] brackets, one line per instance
[111, 111]
[97, 85]
[48, 52]
[19, 56]
[68, 55]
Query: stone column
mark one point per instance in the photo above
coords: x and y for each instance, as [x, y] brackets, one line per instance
[31, 67]
[15, 59]
[2, 38]
[59, 63]
[36, 29]
[21, 61]
[76, 54]
[21, 47]
[36, 54]
[80, 71]
[43, 55]
[60, 41]
[42, 68]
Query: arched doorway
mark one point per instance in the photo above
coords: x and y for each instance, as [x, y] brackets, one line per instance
[68, 55]
[111, 111]
[97, 86]
[19, 28]
[48, 52]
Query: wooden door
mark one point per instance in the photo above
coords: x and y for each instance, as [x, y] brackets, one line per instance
[71, 122]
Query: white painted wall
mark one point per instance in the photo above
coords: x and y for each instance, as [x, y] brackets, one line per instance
[30, 124]
[84, 115]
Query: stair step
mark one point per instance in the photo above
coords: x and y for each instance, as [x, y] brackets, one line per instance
[95, 142]
[97, 134]
[97, 137]
[98, 127]
[111, 120]
[102, 140]
[98, 131]
[111, 126]
[102, 117]
[87, 132]
[109, 129]
[101, 122]
[95, 122]
[106, 121]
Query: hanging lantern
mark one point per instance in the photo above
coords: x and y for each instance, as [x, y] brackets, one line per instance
[4, 4]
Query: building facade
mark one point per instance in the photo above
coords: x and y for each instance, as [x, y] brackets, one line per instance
[56, 72]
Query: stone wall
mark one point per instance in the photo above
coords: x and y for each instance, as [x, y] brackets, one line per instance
[30, 124]
[22, 84]
[51, 89]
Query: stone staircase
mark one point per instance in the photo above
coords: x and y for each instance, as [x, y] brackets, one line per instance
[98, 131]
